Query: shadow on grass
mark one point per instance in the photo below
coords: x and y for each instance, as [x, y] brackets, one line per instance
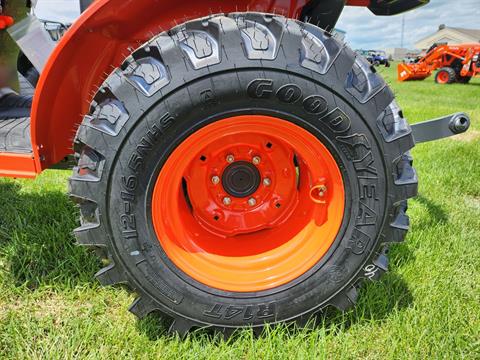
[376, 302]
[403, 253]
[400, 254]
[436, 214]
[36, 241]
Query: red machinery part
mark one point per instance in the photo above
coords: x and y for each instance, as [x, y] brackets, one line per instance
[5, 21]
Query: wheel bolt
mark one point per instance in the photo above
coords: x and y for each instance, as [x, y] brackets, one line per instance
[321, 190]
[267, 182]
[230, 158]
[227, 201]
[256, 160]
[252, 202]
[215, 180]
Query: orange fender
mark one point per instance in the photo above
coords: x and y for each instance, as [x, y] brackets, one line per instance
[98, 42]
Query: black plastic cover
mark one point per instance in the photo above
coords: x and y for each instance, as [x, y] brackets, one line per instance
[394, 7]
[84, 4]
[323, 13]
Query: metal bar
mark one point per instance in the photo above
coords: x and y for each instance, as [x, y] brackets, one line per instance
[441, 128]
[33, 40]
[18, 165]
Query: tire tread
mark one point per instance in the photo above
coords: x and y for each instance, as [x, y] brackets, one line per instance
[199, 43]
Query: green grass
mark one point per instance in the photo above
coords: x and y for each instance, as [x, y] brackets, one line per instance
[427, 306]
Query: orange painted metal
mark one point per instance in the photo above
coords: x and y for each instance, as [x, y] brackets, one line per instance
[18, 165]
[274, 203]
[5, 21]
[237, 245]
[98, 42]
[442, 56]
[443, 77]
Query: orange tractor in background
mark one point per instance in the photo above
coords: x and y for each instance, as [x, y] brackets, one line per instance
[456, 64]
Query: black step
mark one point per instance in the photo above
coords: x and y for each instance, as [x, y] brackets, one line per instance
[15, 135]
[15, 123]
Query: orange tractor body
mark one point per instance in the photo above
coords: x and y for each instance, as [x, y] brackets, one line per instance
[456, 63]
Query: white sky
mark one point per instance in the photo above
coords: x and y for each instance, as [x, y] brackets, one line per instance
[367, 31]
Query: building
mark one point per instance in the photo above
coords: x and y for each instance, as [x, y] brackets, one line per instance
[398, 54]
[449, 35]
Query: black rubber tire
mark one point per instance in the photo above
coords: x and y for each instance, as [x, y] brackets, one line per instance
[452, 75]
[463, 79]
[13, 106]
[457, 66]
[211, 68]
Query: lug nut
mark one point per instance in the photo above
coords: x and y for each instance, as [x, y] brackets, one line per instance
[252, 202]
[267, 182]
[215, 180]
[230, 158]
[227, 201]
[321, 190]
[256, 160]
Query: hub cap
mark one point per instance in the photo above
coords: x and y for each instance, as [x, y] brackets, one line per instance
[241, 179]
[248, 203]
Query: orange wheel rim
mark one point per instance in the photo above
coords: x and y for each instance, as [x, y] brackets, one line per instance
[443, 77]
[248, 203]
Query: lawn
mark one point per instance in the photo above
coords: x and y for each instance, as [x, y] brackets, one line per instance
[427, 306]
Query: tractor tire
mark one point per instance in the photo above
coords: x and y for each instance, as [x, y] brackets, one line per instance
[242, 170]
[463, 79]
[445, 75]
[14, 106]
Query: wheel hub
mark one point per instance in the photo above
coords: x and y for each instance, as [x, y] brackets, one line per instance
[250, 184]
[241, 179]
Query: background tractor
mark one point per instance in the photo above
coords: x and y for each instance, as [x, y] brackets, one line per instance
[455, 64]
[235, 164]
